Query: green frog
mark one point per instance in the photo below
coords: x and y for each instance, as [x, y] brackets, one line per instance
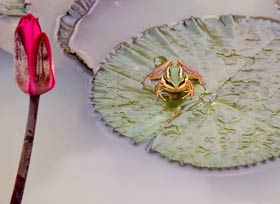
[174, 79]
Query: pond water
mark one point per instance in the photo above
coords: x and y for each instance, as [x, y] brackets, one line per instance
[76, 158]
[113, 22]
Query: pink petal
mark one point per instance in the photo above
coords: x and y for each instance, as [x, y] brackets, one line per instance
[30, 29]
[41, 71]
[21, 72]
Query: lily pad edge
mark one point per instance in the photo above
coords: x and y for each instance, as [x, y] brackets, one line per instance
[67, 26]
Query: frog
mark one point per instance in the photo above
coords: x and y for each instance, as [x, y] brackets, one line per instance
[173, 79]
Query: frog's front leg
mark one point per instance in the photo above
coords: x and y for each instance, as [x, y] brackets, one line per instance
[156, 73]
[193, 74]
[159, 90]
[162, 93]
[189, 90]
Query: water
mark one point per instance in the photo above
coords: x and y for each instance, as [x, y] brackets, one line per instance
[77, 159]
[113, 22]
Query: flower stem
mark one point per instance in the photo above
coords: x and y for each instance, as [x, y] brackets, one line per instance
[26, 151]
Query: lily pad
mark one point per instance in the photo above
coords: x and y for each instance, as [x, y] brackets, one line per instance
[235, 122]
[12, 7]
[67, 26]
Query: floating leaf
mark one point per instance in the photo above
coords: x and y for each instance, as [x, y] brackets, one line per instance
[235, 122]
[67, 26]
[12, 7]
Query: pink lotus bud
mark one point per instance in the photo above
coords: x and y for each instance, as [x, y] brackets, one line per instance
[34, 72]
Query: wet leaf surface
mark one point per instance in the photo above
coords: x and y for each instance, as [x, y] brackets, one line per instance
[235, 122]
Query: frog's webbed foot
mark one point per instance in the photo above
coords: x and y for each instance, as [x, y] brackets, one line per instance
[159, 91]
[187, 94]
[189, 90]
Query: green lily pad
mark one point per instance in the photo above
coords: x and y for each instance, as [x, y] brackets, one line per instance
[235, 122]
[12, 7]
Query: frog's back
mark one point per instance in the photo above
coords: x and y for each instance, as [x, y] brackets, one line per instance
[175, 75]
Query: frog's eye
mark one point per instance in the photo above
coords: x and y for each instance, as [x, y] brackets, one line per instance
[169, 83]
[181, 83]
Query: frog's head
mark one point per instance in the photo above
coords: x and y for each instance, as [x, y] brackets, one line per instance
[174, 78]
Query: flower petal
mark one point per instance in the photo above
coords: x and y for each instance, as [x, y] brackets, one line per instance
[41, 70]
[30, 29]
[21, 73]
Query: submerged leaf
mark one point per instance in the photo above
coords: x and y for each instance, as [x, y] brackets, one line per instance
[235, 122]
[12, 7]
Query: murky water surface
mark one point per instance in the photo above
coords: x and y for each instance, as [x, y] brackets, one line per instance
[76, 158]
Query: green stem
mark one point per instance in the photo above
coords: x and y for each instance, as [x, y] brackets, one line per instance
[26, 151]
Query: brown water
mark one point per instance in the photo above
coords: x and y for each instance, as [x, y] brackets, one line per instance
[76, 158]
